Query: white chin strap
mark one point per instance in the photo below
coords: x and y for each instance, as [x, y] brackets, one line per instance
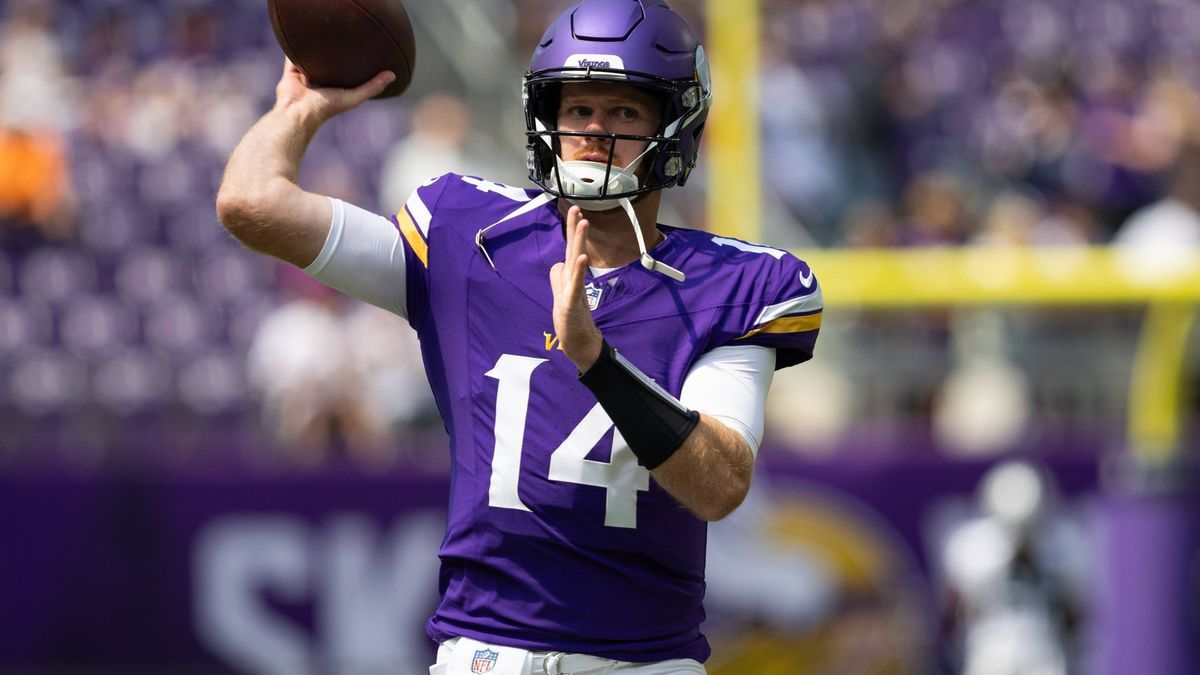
[647, 261]
[586, 179]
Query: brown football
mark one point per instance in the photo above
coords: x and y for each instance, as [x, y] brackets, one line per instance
[343, 43]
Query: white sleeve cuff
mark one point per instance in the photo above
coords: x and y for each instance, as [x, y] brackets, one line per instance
[730, 385]
[363, 257]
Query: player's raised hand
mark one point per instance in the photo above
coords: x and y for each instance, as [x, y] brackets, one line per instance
[577, 332]
[326, 102]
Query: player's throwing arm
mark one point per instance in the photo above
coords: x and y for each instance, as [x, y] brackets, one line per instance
[259, 201]
[338, 56]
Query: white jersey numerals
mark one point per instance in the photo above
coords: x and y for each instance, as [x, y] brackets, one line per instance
[513, 193]
[512, 403]
[621, 476]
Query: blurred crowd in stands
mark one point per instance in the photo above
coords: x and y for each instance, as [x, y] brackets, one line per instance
[918, 122]
[129, 321]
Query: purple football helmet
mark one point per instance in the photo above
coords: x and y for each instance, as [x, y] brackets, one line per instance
[638, 42]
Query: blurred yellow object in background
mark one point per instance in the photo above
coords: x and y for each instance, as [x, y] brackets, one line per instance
[1001, 275]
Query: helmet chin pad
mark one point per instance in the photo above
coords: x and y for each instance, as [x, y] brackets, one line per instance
[586, 184]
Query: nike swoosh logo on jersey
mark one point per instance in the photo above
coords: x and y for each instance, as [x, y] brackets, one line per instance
[806, 279]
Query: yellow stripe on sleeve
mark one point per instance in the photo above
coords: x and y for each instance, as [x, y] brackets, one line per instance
[788, 324]
[410, 232]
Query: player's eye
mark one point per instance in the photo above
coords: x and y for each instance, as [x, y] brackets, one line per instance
[625, 114]
[579, 111]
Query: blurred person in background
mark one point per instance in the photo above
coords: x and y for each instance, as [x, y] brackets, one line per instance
[617, 96]
[440, 138]
[35, 189]
[297, 363]
[1162, 237]
[391, 387]
[803, 167]
[311, 396]
[935, 211]
[1012, 218]
[36, 103]
[984, 404]
[869, 223]
[1173, 222]
[1015, 575]
[318, 396]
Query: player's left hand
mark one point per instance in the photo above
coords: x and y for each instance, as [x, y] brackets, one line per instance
[577, 333]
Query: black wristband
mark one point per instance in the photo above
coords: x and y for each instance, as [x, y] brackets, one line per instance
[654, 423]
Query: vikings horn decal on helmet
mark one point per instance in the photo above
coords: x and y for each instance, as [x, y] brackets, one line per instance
[638, 42]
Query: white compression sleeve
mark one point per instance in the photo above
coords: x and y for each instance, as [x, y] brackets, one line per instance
[363, 257]
[730, 385]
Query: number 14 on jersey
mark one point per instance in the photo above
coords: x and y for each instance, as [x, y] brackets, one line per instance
[622, 477]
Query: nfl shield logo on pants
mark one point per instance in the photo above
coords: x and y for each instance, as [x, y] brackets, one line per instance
[484, 661]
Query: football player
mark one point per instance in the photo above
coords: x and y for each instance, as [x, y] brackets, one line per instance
[601, 375]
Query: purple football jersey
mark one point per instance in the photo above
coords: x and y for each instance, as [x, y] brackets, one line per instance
[557, 538]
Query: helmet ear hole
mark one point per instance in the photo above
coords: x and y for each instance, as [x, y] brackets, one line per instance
[673, 166]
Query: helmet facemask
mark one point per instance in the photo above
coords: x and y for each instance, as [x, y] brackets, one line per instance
[594, 185]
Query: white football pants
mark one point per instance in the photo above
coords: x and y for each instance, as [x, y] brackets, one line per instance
[560, 663]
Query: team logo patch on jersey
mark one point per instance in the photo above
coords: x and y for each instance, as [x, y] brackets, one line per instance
[484, 661]
[592, 292]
